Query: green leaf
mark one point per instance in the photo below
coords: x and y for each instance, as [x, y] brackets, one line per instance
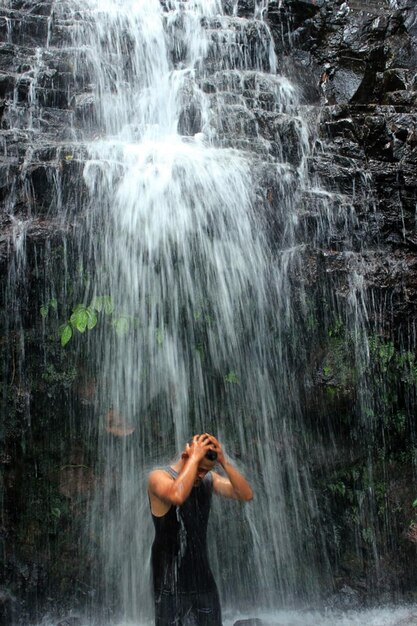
[55, 512]
[82, 321]
[66, 334]
[414, 504]
[97, 304]
[79, 319]
[100, 303]
[53, 303]
[339, 488]
[232, 378]
[121, 326]
[159, 336]
[44, 310]
[92, 318]
[108, 305]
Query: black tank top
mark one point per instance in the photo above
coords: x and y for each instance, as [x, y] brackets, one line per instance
[179, 551]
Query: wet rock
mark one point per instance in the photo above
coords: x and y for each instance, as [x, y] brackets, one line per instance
[86, 390]
[8, 57]
[69, 621]
[300, 10]
[253, 621]
[345, 84]
[35, 7]
[117, 424]
[244, 7]
[8, 608]
[29, 30]
[7, 82]
[396, 79]
[400, 99]
[42, 185]
[346, 599]
[85, 109]
[190, 119]
[76, 481]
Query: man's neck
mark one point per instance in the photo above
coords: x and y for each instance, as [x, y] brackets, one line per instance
[178, 465]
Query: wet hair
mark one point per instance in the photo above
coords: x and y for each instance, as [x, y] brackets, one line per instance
[210, 455]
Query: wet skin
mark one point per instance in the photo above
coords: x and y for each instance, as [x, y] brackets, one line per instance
[204, 467]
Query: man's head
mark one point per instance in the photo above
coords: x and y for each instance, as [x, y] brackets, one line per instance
[204, 467]
[206, 464]
[211, 455]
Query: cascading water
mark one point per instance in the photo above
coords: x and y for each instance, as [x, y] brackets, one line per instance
[179, 235]
[173, 159]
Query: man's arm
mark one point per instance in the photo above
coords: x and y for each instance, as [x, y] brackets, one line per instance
[176, 491]
[234, 485]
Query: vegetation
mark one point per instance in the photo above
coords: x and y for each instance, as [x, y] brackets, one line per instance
[366, 494]
[85, 317]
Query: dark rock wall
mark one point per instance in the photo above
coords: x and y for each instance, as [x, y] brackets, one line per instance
[45, 467]
[356, 64]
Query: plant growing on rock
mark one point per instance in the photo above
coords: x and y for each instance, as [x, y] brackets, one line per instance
[85, 317]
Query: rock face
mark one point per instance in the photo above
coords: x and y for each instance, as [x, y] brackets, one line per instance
[357, 62]
[356, 66]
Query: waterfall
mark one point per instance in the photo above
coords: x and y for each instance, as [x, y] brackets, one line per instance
[181, 253]
[190, 237]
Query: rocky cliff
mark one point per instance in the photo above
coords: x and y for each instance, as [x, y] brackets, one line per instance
[356, 65]
[357, 62]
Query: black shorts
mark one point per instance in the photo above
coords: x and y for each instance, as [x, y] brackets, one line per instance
[188, 609]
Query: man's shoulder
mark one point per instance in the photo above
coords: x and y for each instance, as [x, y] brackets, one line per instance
[160, 473]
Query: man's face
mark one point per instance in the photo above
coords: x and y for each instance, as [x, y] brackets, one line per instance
[203, 467]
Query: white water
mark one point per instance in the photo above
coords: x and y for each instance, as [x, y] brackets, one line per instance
[191, 229]
[406, 616]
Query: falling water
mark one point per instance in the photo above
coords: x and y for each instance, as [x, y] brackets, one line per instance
[185, 248]
[179, 235]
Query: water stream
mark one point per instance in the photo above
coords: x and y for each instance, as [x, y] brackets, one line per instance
[178, 238]
[189, 249]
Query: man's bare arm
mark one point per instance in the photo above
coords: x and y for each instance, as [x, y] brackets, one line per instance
[235, 485]
[176, 491]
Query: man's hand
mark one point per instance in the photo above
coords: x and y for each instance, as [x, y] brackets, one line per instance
[199, 447]
[216, 446]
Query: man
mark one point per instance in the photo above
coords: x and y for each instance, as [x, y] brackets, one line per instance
[180, 495]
